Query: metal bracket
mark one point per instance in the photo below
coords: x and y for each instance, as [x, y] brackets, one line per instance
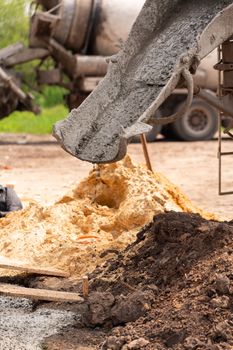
[223, 66]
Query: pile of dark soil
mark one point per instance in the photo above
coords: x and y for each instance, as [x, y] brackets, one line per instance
[172, 288]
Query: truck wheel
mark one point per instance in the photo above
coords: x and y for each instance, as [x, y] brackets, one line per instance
[201, 123]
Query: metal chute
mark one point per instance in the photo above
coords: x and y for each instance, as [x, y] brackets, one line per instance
[166, 43]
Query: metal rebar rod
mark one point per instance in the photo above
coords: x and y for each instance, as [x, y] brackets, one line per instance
[145, 152]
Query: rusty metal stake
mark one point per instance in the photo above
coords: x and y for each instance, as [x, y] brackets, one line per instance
[85, 287]
[145, 151]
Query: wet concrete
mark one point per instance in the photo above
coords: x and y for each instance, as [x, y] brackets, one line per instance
[23, 328]
[164, 31]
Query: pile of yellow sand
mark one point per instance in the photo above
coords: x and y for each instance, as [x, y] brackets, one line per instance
[103, 212]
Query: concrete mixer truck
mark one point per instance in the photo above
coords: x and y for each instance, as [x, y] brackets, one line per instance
[80, 36]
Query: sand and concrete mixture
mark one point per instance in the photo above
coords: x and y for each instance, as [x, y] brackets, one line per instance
[101, 214]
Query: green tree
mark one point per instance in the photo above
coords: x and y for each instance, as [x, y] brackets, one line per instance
[14, 21]
[14, 27]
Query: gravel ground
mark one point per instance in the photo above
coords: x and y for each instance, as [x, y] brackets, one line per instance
[22, 328]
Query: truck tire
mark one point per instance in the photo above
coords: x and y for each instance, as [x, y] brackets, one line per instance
[201, 123]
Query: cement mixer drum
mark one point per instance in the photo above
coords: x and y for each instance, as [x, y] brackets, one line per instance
[115, 19]
[102, 26]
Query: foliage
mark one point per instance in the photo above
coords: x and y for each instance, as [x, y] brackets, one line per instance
[50, 96]
[27, 122]
[14, 22]
[14, 27]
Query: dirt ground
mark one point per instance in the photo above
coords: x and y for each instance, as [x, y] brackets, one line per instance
[42, 171]
[172, 288]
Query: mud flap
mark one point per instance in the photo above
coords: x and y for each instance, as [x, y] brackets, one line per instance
[167, 37]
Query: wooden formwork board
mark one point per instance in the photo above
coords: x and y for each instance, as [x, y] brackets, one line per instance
[20, 266]
[39, 294]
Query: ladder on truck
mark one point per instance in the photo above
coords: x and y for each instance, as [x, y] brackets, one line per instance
[225, 88]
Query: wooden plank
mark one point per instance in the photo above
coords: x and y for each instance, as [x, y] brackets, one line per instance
[6, 263]
[26, 55]
[10, 50]
[85, 286]
[39, 294]
[8, 80]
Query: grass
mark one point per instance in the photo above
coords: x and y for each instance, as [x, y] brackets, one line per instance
[27, 122]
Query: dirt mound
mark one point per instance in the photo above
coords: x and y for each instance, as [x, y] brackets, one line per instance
[172, 288]
[104, 212]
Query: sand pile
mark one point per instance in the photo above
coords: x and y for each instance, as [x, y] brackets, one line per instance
[104, 212]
